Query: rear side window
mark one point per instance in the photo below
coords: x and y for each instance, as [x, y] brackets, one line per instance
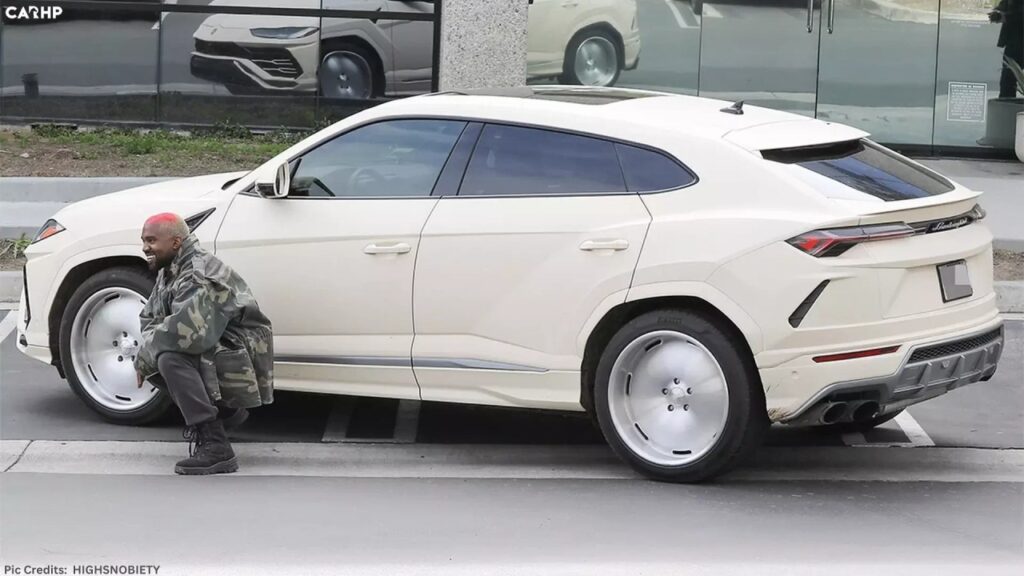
[865, 167]
[649, 171]
[512, 160]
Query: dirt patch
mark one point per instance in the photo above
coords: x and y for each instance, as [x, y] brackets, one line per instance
[1009, 265]
[105, 152]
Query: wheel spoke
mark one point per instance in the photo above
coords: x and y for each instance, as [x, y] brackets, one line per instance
[678, 397]
[103, 359]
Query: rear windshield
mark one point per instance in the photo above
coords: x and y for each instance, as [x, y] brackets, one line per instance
[864, 167]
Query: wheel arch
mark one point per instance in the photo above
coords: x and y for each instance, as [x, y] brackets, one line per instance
[72, 280]
[745, 332]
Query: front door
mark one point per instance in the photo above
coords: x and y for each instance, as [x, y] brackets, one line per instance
[332, 264]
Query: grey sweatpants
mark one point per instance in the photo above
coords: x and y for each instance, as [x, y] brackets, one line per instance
[179, 377]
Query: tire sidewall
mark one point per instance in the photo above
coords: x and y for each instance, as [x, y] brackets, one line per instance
[569, 62]
[742, 419]
[132, 279]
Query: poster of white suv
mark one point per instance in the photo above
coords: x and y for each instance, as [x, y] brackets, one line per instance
[586, 42]
[563, 248]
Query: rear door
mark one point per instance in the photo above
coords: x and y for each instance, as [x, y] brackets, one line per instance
[541, 234]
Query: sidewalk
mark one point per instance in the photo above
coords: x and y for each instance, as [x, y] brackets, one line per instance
[1003, 199]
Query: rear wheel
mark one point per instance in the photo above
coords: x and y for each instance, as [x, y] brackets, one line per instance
[591, 59]
[99, 339]
[676, 399]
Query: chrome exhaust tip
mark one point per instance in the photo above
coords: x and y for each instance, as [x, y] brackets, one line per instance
[866, 411]
[833, 413]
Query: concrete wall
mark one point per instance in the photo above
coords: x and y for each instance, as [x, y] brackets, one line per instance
[483, 44]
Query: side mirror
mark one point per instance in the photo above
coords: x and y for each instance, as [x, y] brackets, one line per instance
[279, 187]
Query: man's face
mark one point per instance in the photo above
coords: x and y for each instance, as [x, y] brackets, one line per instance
[159, 246]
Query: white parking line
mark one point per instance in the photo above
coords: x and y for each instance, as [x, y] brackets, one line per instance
[709, 11]
[679, 17]
[7, 325]
[913, 430]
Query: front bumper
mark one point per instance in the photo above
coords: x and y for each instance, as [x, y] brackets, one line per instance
[927, 371]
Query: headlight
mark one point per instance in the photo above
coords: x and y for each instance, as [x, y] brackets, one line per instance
[50, 228]
[284, 33]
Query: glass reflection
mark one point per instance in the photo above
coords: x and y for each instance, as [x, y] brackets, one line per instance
[84, 64]
[976, 99]
[252, 69]
[650, 44]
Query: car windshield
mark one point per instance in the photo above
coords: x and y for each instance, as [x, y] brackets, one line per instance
[860, 170]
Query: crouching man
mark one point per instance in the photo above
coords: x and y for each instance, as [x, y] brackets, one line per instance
[204, 341]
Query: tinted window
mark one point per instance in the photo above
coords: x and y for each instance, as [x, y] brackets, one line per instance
[396, 158]
[863, 166]
[648, 171]
[512, 160]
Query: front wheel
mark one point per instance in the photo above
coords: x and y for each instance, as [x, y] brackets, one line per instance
[676, 399]
[346, 72]
[99, 339]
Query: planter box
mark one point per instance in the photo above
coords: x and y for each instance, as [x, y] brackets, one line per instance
[1001, 123]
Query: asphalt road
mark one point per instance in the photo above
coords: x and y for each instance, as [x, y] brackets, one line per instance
[483, 490]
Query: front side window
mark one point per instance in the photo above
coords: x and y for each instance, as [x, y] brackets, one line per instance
[511, 160]
[400, 158]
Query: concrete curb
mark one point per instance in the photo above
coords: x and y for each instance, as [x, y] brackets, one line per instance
[515, 461]
[1010, 296]
[10, 286]
[64, 190]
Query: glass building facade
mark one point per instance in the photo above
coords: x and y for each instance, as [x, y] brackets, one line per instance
[257, 63]
[930, 75]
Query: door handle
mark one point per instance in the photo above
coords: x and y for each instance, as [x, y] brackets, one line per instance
[396, 248]
[831, 15]
[810, 16]
[593, 245]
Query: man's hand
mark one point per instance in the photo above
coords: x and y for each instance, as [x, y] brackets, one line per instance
[140, 379]
[995, 16]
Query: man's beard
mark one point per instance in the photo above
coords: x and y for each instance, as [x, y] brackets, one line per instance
[158, 263]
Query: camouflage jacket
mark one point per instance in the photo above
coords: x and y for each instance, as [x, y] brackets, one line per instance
[200, 306]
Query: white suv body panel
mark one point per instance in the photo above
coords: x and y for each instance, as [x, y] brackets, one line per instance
[488, 278]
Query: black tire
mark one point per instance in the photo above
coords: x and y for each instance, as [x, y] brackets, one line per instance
[866, 425]
[746, 420]
[377, 81]
[569, 64]
[121, 277]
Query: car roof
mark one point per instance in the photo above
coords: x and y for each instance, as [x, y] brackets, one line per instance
[602, 111]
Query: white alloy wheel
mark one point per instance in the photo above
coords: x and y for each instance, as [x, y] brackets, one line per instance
[668, 398]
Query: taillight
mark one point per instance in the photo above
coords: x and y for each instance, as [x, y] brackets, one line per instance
[835, 241]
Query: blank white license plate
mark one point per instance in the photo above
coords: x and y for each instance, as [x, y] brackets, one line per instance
[955, 281]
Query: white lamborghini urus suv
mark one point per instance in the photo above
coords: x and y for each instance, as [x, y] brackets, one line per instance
[686, 270]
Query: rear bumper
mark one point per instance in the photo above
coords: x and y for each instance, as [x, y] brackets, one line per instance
[926, 370]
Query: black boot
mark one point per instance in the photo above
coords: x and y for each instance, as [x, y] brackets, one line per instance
[209, 450]
[232, 417]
